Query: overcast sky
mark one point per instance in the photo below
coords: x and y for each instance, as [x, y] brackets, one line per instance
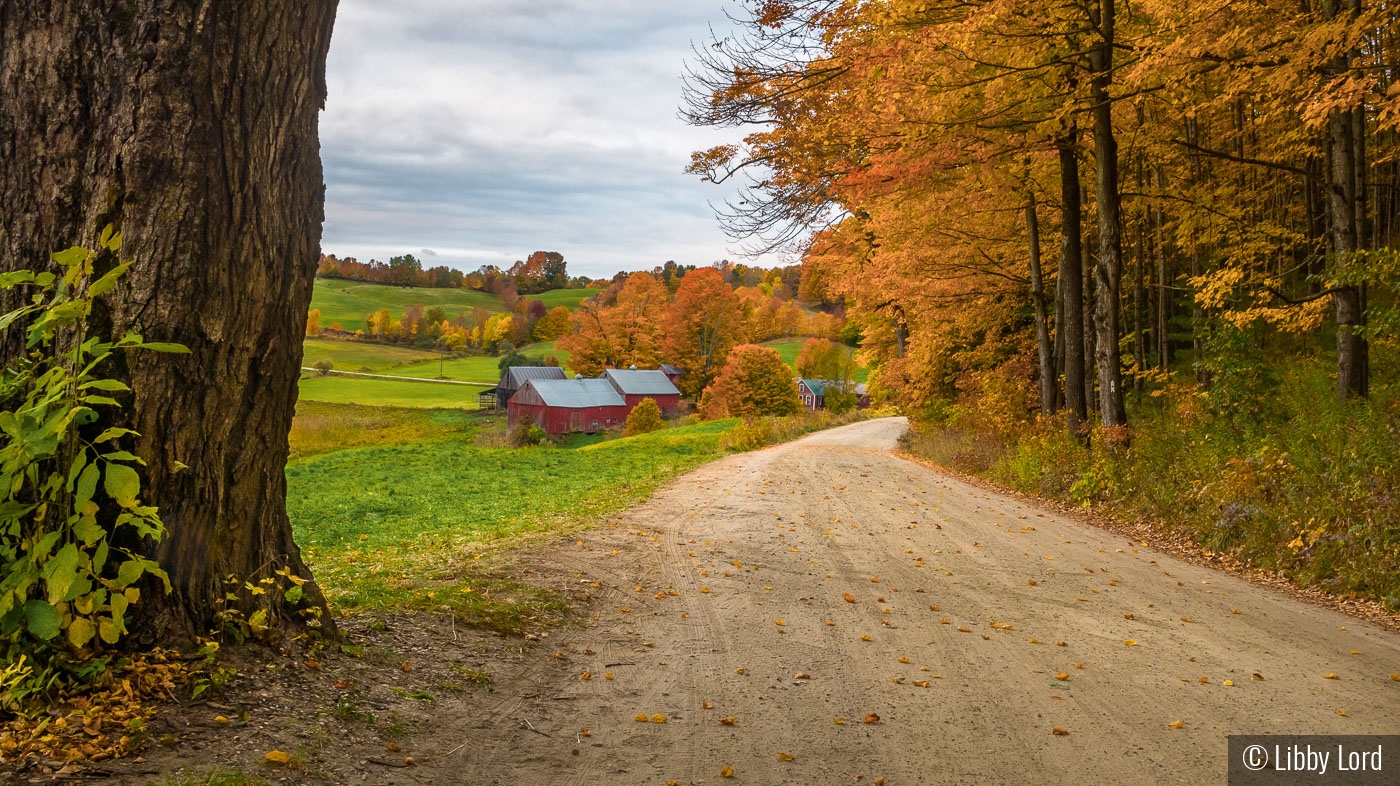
[477, 132]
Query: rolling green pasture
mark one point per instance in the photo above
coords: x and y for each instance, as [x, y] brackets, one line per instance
[389, 393]
[321, 427]
[347, 302]
[568, 298]
[474, 369]
[360, 355]
[416, 524]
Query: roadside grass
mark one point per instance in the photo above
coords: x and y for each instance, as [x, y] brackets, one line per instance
[389, 393]
[418, 525]
[789, 348]
[1277, 474]
[347, 302]
[322, 427]
[361, 355]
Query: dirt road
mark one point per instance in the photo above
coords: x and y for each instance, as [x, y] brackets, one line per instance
[801, 588]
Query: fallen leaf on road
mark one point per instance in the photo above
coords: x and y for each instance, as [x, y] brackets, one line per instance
[1204, 679]
[658, 718]
[849, 597]
[874, 579]
[277, 757]
[726, 721]
[1034, 641]
[704, 590]
[587, 675]
[964, 630]
[1395, 678]
[608, 676]
[1059, 732]
[898, 680]
[831, 623]
[1234, 611]
[870, 718]
[1342, 713]
[921, 683]
[802, 675]
[865, 637]
[1128, 617]
[903, 659]
[1185, 619]
[1062, 676]
[933, 607]
[784, 757]
[1177, 725]
[1032, 582]
[1130, 643]
[1228, 683]
[839, 721]
[779, 623]
[1061, 644]
[738, 671]
[641, 717]
[1330, 676]
[1258, 676]
[392, 747]
[585, 732]
[726, 772]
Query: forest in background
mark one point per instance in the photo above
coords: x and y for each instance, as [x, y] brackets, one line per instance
[1141, 257]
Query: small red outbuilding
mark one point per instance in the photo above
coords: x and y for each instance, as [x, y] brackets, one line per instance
[635, 385]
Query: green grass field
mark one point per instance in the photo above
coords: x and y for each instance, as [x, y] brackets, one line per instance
[415, 525]
[568, 298]
[788, 349]
[361, 355]
[389, 393]
[474, 369]
[347, 302]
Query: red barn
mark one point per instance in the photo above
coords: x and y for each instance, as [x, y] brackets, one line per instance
[636, 385]
[564, 406]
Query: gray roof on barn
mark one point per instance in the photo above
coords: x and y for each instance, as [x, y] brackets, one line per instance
[649, 382]
[577, 393]
[667, 368]
[515, 377]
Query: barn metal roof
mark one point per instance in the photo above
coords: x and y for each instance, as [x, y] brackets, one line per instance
[817, 386]
[577, 393]
[648, 382]
[515, 377]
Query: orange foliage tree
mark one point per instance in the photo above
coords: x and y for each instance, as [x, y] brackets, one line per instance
[754, 382]
[703, 325]
[619, 328]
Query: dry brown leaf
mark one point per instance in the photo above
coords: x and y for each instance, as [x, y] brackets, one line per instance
[1258, 676]
[1059, 732]
[1395, 678]
[1061, 644]
[898, 680]
[921, 683]
[587, 675]
[865, 637]
[1130, 643]
[1034, 641]
[1129, 617]
[933, 607]
[874, 579]
[964, 630]
[831, 623]
[1203, 679]
[658, 718]
[784, 757]
[726, 721]
[641, 717]
[839, 721]
[1062, 676]
[849, 597]
[608, 676]
[1330, 676]
[277, 757]
[585, 732]
[802, 675]
[1185, 619]
[392, 747]
[1228, 683]
[726, 772]
[1342, 713]
[779, 623]
[739, 671]
[870, 717]
[1176, 724]
[903, 659]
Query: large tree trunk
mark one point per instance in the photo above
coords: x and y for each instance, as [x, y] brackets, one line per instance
[1048, 381]
[1071, 320]
[1108, 272]
[191, 125]
[1343, 199]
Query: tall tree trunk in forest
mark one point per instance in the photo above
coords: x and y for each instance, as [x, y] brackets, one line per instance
[1086, 265]
[191, 125]
[1108, 272]
[1163, 340]
[1048, 380]
[1348, 308]
[1070, 320]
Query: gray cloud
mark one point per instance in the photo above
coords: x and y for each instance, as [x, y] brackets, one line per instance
[490, 129]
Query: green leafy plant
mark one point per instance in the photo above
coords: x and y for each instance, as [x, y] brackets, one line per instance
[70, 507]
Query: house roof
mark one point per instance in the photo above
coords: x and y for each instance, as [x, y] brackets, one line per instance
[576, 393]
[649, 382]
[668, 369]
[515, 377]
[817, 386]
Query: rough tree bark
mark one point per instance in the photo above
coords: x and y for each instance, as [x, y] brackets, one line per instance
[1108, 272]
[1343, 199]
[1042, 319]
[191, 125]
[1071, 321]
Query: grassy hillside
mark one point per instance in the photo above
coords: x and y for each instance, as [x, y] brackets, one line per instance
[568, 298]
[361, 356]
[320, 427]
[389, 393]
[347, 302]
[788, 348]
[408, 524]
